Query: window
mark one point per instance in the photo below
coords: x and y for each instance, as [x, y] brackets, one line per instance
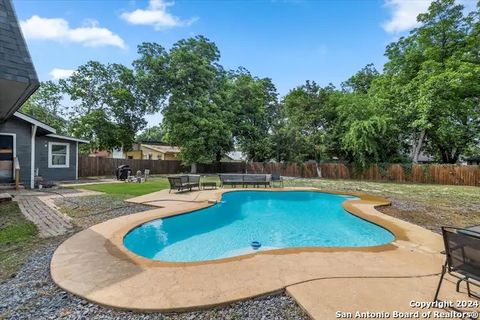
[58, 155]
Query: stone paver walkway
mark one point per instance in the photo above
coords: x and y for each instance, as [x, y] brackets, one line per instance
[50, 222]
[40, 208]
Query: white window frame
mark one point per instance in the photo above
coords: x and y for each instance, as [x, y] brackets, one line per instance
[67, 156]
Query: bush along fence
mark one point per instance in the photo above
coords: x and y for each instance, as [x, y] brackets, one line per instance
[417, 173]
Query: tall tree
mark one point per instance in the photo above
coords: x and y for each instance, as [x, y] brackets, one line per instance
[424, 70]
[362, 80]
[46, 105]
[253, 103]
[309, 113]
[155, 133]
[110, 105]
[196, 116]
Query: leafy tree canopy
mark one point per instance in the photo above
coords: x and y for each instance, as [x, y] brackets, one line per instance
[46, 105]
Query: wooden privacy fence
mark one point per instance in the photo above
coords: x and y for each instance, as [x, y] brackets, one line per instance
[429, 173]
[91, 166]
[419, 173]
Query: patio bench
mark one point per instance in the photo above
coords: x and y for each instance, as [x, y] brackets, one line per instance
[184, 182]
[231, 179]
[256, 180]
[245, 179]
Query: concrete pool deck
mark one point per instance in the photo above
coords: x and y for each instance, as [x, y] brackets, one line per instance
[95, 265]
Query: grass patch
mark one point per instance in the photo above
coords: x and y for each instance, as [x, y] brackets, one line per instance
[130, 188]
[17, 239]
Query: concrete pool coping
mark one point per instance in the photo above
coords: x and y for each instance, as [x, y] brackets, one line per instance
[95, 265]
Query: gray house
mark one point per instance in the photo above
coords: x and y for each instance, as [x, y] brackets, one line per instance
[28, 148]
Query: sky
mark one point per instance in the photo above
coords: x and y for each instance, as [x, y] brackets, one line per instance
[289, 41]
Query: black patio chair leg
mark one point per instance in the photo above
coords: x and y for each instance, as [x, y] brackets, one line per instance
[458, 284]
[468, 288]
[444, 270]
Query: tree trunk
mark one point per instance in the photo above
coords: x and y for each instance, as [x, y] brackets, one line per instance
[417, 147]
[193, 168]
[218, 157]
[449, 156]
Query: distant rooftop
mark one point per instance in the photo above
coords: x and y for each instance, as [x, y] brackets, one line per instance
[18, 78]
[162, 148]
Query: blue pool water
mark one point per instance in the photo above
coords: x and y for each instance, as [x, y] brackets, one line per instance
[274, 219]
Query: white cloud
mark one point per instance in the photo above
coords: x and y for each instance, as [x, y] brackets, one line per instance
[156, 15]
[404, 13]
[57, 29]
[58, 73]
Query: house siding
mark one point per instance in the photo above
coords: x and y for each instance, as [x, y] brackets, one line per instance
[22, 130]
[41, 161]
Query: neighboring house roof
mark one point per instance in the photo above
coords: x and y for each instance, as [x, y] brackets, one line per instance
[100, 154]
[236, 155]
[161, 148]
[473, 158]
[18, 78]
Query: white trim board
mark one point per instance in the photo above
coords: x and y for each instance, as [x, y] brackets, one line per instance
[57, 136]
[34, 122]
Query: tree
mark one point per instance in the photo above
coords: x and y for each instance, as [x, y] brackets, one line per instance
[362, 80]
[46, 105]
[424, 71]
[309, 114]
[253, 103]
[196, 116]
[111, 104]
[155, 133]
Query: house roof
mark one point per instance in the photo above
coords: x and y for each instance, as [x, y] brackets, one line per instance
[161, 148]
[51, 135]
[51, 132]
[18, 78]
[473, 158]
[34, 121]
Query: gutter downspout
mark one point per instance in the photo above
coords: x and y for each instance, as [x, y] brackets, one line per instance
[32, 157]
[76, 163]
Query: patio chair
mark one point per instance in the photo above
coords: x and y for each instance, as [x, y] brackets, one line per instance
[462, 248]
[276, 177]
[185, 182]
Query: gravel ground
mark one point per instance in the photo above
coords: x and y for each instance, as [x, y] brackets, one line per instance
[90, 210]
[31, 294]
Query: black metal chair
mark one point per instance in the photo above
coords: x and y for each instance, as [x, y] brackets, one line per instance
[462, 249]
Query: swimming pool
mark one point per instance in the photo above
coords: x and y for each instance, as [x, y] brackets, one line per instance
[275, 220]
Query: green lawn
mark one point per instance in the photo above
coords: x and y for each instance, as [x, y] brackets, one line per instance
[17, 238]
[130, 189]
